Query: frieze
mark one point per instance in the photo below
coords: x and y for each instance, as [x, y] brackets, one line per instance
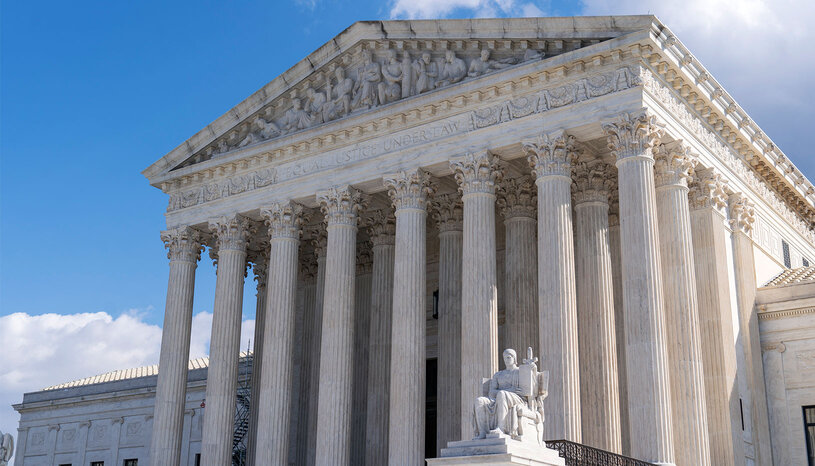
[711, 140]
[548, 99]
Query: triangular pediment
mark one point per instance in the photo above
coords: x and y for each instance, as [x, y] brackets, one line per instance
[375, 63]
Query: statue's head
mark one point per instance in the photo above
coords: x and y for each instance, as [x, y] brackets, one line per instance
[426, 57]
[510, 357]
[485, 54]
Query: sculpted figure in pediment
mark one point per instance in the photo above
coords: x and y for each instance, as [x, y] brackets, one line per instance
[223, 146]
[454, 69]
[369, 77]
[483, 64]
[259, 131]
[340, 95]
[6, 448]
[295, 118]
[391, 89]
[426, 71]
[408, 76]
[316, 105]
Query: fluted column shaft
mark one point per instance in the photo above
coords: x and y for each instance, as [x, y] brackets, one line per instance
[708, 203]
[673, 164]
[260, 269]
[340, 206]
[362, 324]
[595, 310]
[550, 158]
[382, 232]
[631, 139]
[477, 175]
[518, 202]
[448, 214]
[757, 427]
[224, 347]
[315, 349]
[309, 279]
[283, 220]
[408, 191]
[619, 315]
[184, 250]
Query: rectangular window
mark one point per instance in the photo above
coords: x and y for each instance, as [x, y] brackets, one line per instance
[786, 248]
[131, 462]
[198, 459]
[809, 433]
[97, 463]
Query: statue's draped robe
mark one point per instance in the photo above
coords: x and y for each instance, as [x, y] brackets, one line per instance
[500, 412]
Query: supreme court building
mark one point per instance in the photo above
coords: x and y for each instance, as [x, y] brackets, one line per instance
[416, 196]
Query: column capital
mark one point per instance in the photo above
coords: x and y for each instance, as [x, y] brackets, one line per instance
[477, 172]
[613, 200]
[448, 212]
[381, 227]
[551, 154]
[633, 135]
[341, 205]
[673, 163]
[408, 189]
[232, 232]
[318, 238]
[708, 189]
[365, 258]
[284, 219]
[308, 266]
[260, 268]
[183, 244]
[517, 197]
[742, 213]
[592, 182]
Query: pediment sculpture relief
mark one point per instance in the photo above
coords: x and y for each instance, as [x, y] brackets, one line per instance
[512, 401]
[348, 89]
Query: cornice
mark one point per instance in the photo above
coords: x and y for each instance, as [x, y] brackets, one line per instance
[774, 315]
[721, 115]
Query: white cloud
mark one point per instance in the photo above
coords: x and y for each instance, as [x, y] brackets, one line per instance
[430, 9]
[49, 349]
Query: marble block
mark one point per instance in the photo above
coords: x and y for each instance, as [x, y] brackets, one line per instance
[496, 450]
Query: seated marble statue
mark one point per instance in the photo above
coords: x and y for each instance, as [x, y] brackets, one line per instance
[514, 398]
[6, 448]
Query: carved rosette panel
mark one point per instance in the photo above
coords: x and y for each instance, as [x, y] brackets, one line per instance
[593, 182]
[673, 164]
[448, 212]
[633, 135]
[742, 213]
[408, 189]
[708, 189]
[477, 172]
[284, 220]
[183, 244]
[382, 227]
[517, 197]
[551, 154]
[232, 232]
[341, 205]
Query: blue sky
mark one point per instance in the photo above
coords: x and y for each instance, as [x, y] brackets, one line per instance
[94, 92]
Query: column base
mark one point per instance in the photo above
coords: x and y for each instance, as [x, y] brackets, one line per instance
[496, 451]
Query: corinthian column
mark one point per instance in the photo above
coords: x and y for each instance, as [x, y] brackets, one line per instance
[319, 241]
[260, 269]
[362, 328]
[381, 229]
[756, 418]
[477, 175]
[518, 202]
[283, 220]
[595, 309]
[340, 206]
[222, 376]
[708, 203]
[631, 139]
[551, 158]
[673, 163]
[408, 191]
[308, 274]
[184, 250]
[447, 212]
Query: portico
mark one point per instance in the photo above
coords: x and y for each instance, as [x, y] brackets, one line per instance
[493, 184]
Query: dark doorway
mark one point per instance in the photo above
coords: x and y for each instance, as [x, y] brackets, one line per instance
[430, 410]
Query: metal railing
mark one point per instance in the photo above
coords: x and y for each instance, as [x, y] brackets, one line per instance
[577, 454]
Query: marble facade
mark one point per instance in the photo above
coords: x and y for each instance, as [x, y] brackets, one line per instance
[584, 178]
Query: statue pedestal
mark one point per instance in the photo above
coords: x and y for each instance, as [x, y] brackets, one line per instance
[496, 451]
